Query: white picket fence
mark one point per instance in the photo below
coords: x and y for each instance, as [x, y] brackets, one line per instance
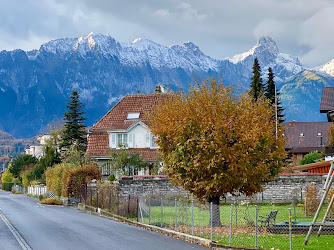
[37, 190]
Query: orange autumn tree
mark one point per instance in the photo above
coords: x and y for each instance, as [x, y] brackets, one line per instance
[214, 142]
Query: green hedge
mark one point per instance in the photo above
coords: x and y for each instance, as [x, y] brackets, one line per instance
[7, 186]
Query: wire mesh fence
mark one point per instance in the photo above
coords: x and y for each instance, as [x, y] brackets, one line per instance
[244, 225]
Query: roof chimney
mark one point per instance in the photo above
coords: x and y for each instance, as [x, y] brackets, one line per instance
[157, 89]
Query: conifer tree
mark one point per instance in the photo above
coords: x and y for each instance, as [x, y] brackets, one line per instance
[74, 131]
[270, 94]
[256, 86]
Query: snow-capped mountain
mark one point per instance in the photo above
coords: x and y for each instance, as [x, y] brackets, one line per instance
[35, 85]
[327, 68]
[268, 55]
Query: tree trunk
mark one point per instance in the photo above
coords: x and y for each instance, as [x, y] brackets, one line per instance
[215, 216]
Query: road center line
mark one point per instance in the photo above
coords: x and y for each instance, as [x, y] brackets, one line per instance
[16, 234]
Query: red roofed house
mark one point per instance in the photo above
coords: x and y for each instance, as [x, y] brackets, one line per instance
[125, 124]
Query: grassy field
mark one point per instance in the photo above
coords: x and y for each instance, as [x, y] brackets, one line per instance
[241, 214]
[243, 225]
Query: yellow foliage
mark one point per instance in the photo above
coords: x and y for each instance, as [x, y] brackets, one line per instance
[55, 175]
[214, 142]
[7, 176]
[330, 135]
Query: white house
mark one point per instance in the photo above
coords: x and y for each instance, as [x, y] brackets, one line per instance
[126, 124]
[37, 150]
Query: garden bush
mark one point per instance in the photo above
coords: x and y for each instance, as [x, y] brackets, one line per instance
[75, 178]
[55, 175]
[7, 186]
[7, 176]
[51, 201]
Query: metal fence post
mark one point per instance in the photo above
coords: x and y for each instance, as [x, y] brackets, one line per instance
[175, 214]
[294, 207]
[192, 217]
[290, 229]
[211, 219]
[97, 198]
[161, 213]
[187, 211]
[149, 210]
[255, 226]
[231, 221]
[91, 196]
[236, 213]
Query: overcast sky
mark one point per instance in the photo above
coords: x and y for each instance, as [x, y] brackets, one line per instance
[221, 28]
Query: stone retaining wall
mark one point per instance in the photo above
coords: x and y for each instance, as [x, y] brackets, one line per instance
[282, 188]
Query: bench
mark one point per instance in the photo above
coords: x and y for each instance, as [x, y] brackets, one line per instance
[268, 220]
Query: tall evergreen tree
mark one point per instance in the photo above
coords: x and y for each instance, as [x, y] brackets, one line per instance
[256, 86]
[270, 94]
[74, 131]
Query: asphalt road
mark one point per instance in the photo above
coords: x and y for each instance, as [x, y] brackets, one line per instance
[57, 227]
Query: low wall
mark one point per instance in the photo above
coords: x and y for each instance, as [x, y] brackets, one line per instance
[150, 187]
[282, 188]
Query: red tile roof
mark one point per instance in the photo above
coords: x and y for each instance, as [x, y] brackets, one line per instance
[116, 118]
[98, 144]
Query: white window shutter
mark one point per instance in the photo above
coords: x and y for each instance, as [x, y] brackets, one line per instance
[148, 144]
[130, 141]
[112, 141]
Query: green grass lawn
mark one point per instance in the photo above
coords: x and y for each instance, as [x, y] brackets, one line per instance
[243, 225]
[241, 214]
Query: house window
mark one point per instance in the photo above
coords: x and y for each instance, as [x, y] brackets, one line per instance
[106, 169]
[122, 140]
[132, 116]
[150, 141]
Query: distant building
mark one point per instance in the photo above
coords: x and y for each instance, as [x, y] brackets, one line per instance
[37, 150]
[327, 103]
[305, 137]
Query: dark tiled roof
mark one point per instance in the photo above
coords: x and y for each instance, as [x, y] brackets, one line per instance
[303, 137]
[327, 100]
[116, 118]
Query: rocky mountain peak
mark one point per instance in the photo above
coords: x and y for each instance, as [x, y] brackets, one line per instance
[328, 68]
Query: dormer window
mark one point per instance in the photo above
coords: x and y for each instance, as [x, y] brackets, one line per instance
[319, 134]
[133, 116]
[301, 134]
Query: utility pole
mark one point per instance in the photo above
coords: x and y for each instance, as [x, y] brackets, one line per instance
[276, 111]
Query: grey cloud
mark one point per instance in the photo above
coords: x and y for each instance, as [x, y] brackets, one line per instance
[220, 28]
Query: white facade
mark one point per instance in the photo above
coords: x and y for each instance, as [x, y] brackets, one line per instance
[37, 150]
[138, 136]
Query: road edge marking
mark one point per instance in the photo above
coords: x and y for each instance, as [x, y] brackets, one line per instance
[15, 233]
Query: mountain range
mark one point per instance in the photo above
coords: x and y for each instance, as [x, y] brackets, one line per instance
[35, 85]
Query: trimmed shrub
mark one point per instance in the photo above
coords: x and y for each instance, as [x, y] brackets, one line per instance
[51, 201]
[7, 186]
[75, 178]
[55, 175]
